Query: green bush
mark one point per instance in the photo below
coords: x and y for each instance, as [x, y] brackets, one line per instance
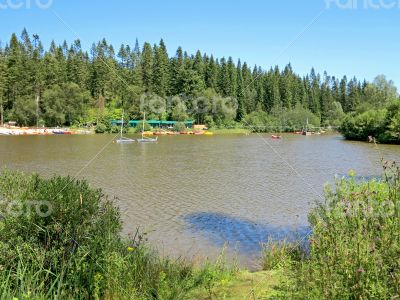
[383, 124]
[75, 250]
[101, 128]
[360, 126]
[139, 127]
[355, 242]
[296, 119]
[179, 127]
[260, 121]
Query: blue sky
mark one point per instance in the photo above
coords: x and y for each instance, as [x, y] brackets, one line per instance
[363, 41]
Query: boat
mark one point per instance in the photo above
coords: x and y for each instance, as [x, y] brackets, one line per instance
[208, 133]
[276, 137]
[306, 132]
[145, 139]
[122, 139]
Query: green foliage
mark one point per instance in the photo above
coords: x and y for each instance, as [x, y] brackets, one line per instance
[101, 128]
[296, 119]
[75, 87]
[75, 250]
[24, 111]
[382, 124]
[335, 115]
[260, 121]
[139, 127]
[281, 254]
[64, 104]
[360, 126]
[179, 127]
[355, 245]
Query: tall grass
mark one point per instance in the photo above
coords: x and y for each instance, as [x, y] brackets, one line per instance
[354, 250]
[76, 252]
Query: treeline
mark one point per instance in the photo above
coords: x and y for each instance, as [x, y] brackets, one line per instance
[375, 125]
[66, 85]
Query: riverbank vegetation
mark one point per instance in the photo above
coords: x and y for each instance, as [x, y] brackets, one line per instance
[60, 239]
[70, 247]
[66, 85]
[67, 244]
[354, 247]
[381, 125]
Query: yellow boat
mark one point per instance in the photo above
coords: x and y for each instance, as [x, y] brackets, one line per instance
[148, 133]
[208, 133]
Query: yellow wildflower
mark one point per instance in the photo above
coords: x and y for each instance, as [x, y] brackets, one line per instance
[352, 173]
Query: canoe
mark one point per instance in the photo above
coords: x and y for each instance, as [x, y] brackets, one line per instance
[276, 137]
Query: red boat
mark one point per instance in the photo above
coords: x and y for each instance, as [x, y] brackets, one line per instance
[276, 137]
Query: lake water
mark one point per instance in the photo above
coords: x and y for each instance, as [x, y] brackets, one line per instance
[195, 194]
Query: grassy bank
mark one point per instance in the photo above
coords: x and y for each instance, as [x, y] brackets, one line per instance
[60, 238]
[354, 248]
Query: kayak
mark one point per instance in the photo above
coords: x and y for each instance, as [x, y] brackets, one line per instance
[276, 137]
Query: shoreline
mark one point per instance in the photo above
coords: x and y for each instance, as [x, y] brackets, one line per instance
[13, 130]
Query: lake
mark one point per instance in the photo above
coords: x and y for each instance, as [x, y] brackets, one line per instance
[195, 194]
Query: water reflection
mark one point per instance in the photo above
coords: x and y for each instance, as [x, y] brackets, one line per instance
[244, 234]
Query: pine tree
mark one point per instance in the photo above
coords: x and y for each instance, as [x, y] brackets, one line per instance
[343, 93]
[177, 72]
[161, 71]
[146, 62]
[239, 93]
[232, 77]
[3, 82]
[314, 104]
[223, 79]
[198, 66]
[211, 74]
[286, 88]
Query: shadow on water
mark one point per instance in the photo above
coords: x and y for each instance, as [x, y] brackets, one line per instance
[245, 236]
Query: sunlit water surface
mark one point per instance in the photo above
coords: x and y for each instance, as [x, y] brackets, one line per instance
[195, 194]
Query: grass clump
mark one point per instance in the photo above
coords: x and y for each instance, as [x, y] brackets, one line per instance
[60, 239]
[354, 247]
[281, 254]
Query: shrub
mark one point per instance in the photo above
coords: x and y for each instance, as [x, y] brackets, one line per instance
[179, 127]
[76, 251]
[139, 127]
[100, 128]
[260, 121]
[383, 124]
[355, 242]
[278, 254]
[296, 119]
[360, 126]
